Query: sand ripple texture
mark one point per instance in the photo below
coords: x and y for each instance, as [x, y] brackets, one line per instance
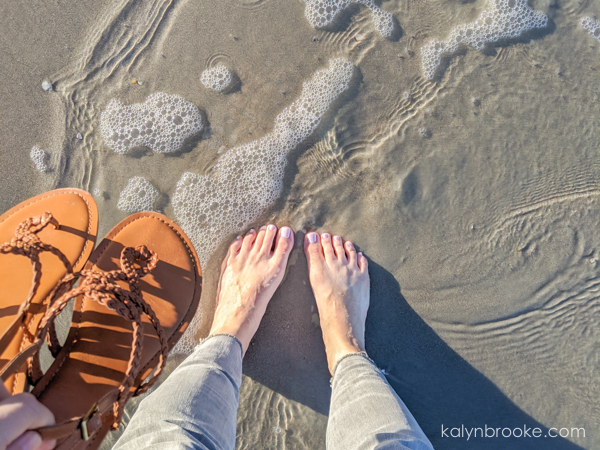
[475, 194]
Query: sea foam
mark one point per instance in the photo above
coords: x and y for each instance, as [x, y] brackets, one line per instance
[39, 157]
[503, 19]
[247, 179]
[217, 78]
[592, 26]
[139, 195]
[321, 13]
[161, 123]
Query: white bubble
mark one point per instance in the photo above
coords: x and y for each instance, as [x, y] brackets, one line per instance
[503, 19]
[161, 123]
[139, 195]
[321, 13]
[39, 157]
[592, 26]
[247, 179]
[217, 78]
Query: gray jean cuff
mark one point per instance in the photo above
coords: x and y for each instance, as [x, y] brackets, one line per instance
[202, 341]
[361, 354]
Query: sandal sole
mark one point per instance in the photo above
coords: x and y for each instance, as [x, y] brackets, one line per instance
[95, 358]
[77, 215]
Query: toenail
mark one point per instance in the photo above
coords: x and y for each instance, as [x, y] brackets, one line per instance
[238, 238]
[263, 228]
[272, 227]
[350, 244]
[285, 232]
[360, 253]
[325, 235]
[251, 230]
[312, 237]
[337, 238]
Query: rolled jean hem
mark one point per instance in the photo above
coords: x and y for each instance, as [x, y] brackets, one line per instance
[335, 368]
[202, 341]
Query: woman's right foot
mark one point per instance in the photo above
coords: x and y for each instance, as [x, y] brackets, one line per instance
[339, 279]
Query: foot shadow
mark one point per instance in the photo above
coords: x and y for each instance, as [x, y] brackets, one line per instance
[438, 386]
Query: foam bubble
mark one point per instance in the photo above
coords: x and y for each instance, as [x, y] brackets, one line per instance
[592, 26]
[39, 157]
[247, 179]
[321, 13]
[217, 78]
[503, 19]
[139, 195]
[161, 123]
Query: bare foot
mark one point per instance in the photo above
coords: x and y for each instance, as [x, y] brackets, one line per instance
[250, 274]
[340, 281]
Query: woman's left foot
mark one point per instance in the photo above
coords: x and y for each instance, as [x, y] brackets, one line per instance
[250, 274]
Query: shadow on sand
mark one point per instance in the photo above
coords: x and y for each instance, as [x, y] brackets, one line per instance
[438, 386]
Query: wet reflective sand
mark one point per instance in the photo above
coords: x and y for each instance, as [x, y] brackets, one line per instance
[474, 195]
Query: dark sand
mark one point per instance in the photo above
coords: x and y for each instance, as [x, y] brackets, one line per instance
[483, 236]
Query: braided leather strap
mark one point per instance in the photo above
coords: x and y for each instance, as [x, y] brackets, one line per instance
[129, 304]
[27, 243]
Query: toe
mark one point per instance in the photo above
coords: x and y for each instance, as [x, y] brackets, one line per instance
[248, 242]
[338, 247]
[234, 247]
[313, 249]
[327, 247]
[284, 243]
[351, 253]
[363, 265]
[267, 243]
[260, 237]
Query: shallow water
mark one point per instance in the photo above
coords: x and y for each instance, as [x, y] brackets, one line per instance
[482, 235]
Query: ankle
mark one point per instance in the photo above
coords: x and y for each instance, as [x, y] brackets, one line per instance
[343, 350]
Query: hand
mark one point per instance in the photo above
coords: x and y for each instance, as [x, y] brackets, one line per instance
[18, 414]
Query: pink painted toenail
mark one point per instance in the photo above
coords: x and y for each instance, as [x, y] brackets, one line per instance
[325, 235]
[337, 238]
[264, 227]
[312, 237]
[238, 238]
[285, 232]
[272, 227]
[251, 230]
[350, 244]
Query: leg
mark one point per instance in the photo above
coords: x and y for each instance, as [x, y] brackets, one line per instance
[365, 411]
[196, 407]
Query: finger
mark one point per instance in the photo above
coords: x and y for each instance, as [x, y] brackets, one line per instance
[20, 413]
[30, 440]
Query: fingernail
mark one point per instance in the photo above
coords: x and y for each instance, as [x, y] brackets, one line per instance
[337, 238]
[325, 235]
[263, 228]
[312, 237]
[272, 227]
[285, 232]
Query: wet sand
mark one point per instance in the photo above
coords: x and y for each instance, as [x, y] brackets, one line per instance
[482, 235]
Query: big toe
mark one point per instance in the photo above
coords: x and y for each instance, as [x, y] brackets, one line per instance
[283, 244]
[313, 250]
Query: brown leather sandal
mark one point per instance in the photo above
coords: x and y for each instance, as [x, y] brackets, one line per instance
[135, 297]
[53, 234]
